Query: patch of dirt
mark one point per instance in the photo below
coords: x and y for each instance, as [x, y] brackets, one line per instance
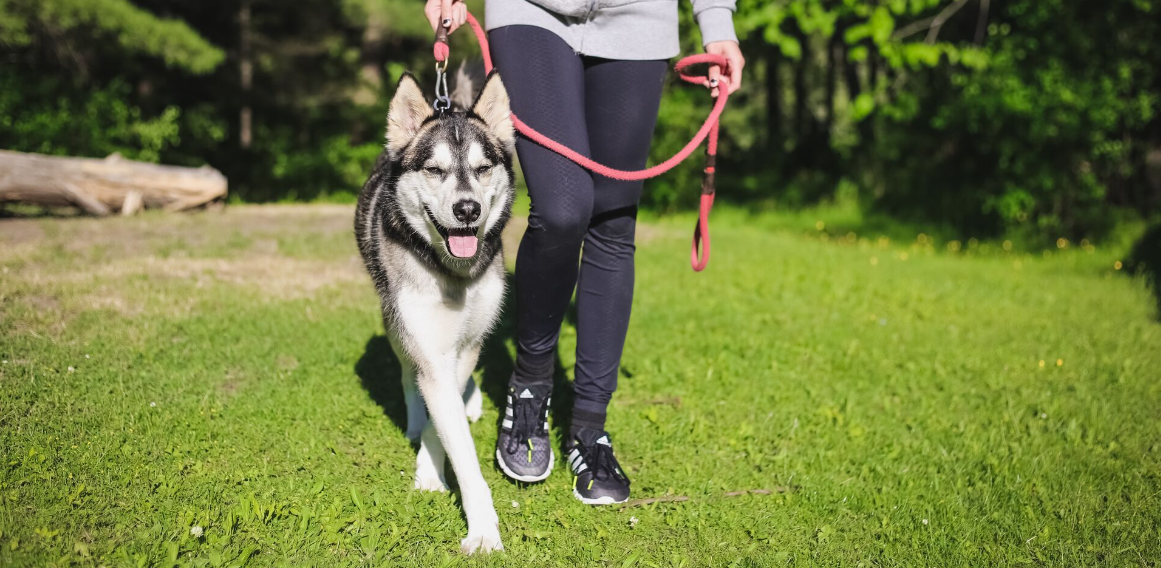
[645, 232]
[118, 236]
[233, 380]
[674, 401]
[20, 231]
[286, 363]
[512, 235]
[325, 219]
[119, 261]
[42, 303]
[276, 276]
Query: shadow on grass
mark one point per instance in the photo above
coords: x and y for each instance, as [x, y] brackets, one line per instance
[379, 374]
[497, 365]
[378, 371]
[1145, 261]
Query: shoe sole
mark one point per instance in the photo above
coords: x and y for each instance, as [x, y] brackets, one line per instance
[606, 500]
[526, 478]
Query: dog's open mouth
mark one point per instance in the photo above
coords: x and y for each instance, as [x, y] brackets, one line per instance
[461, 241]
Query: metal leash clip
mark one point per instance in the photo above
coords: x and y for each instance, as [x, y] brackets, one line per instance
[442, 100]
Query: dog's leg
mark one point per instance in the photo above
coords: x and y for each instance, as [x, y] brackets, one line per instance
[473, 398]
[429, 462]
[440, 388]
[416, 411]
[430, 459]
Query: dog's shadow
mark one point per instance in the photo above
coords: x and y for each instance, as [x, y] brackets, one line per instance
[379, 373]
[378, 370]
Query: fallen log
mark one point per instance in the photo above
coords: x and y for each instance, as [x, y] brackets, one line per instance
[103, 186]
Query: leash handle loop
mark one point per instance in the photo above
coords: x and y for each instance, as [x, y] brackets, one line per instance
[701, 235]
[441, 51]
[708, 130]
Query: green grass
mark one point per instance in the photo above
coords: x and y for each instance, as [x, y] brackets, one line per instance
[906, 405]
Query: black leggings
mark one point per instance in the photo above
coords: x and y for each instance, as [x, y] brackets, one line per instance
[605, 109]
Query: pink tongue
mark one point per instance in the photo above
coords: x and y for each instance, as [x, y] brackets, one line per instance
[462, 246]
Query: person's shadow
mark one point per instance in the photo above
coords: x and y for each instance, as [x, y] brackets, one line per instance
[1144, 261]
[378, 371]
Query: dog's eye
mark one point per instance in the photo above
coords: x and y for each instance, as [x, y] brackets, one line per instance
[433, 170]
[483, 169]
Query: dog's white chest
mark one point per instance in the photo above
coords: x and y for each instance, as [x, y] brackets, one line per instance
[450, 317]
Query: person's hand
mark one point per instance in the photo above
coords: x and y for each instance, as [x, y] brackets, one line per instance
[450, 14]
[733, 55]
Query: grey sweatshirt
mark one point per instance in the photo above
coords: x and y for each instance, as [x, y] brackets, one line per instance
[615, 29]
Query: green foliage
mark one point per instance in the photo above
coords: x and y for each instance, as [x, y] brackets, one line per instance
[135, 30]
[919, 401]
[334, 167]
[1027, 117]
[49, 121]
[1039, 137]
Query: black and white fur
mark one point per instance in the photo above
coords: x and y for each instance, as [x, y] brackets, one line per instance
[437, 308]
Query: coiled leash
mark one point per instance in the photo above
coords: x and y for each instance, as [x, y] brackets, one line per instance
[701, 234]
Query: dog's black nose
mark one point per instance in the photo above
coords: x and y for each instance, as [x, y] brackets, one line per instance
[466, 210]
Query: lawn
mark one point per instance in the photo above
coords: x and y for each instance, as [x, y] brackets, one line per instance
[215, 390]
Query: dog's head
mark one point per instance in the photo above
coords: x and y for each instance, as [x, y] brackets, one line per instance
[455, 181]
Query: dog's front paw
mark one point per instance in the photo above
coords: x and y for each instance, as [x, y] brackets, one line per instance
[414, 434]
[482, 541]
[429, 482]
[474, 405]
[475, 409]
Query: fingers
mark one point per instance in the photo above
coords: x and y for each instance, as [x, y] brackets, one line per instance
[715, 77]
[445, 15]
[736, 65]
[431, 11]
[461, 13]
[450, 14]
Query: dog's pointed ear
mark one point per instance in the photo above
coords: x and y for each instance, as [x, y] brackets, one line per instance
[408, 111]
[492, 106]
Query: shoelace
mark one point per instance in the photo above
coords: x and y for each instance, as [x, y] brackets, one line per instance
[528, 415]
[603, 463]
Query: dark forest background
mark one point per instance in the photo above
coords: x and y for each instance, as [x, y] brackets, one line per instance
[1035, 118]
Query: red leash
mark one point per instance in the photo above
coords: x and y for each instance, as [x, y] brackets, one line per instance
[709, 129]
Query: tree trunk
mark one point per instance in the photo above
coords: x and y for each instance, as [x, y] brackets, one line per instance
[246, 76]
[802, 119]
[369, 91]
[854, 89]
[100, 187]
[832, 57]
[773, 99]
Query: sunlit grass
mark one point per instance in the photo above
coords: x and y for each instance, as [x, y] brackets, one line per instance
[213, 390]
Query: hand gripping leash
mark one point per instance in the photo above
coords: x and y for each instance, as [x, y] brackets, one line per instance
[701, 235]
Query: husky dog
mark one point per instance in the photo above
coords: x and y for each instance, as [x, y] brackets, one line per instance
[428, 225]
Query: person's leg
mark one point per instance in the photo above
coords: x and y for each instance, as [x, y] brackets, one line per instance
[621, 104]
[545, 80]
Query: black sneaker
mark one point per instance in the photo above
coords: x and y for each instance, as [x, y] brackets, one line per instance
[599, 479]
[523, 449]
